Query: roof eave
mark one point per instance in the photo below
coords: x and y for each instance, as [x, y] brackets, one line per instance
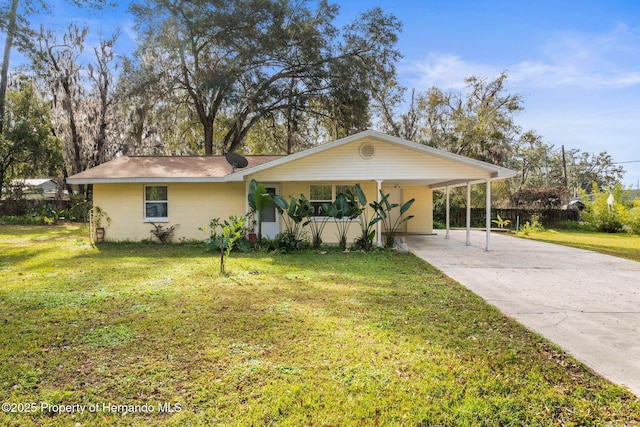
[144, 180]
[464, 181]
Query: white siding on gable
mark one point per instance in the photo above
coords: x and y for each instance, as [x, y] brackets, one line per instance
[390, 162]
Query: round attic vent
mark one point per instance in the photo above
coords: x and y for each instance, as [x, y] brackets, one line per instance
[367, 151]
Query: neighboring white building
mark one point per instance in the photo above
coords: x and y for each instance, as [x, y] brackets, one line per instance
[37, 188]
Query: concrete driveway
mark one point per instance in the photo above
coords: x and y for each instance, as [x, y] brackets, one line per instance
[585, 302]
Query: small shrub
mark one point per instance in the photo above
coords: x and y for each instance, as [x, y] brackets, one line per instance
[79, 208]
[633, 218]
[532, 226]
[288, 241]
[437, 225]
[606, 211]
[228, 235]
[162, 233]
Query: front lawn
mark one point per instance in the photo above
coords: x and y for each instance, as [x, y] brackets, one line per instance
[141, 334]
[622, 245]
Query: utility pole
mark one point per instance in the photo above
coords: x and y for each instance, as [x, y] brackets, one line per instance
[546, 168]
[564, 166]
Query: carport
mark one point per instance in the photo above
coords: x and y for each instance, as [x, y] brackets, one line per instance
[487, 182]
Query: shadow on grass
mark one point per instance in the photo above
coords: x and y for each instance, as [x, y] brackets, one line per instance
[151, 250]
[46, 232]
[13, 256]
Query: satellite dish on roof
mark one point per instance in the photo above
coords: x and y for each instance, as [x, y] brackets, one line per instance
[236, 161]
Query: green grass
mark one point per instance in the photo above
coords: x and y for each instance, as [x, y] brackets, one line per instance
[622, 245]
[337, 339]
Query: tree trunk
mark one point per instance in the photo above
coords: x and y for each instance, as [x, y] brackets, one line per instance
[76, 143]
[208, 137]
[2, 176]
[11, 29]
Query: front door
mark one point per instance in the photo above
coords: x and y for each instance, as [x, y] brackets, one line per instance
[270, 216]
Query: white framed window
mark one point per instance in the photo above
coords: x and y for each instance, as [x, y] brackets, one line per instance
[156, 203]
[320, 194]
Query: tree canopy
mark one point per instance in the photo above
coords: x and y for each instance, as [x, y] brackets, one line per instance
[14, 21]
[266, 76]
[234, 63]
[27, 145]
[479, 122]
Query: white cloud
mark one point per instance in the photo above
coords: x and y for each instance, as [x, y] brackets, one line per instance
[445, 71]
[589, 61]
[130, 33]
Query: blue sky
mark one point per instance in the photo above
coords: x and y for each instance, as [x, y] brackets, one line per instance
[576, 62]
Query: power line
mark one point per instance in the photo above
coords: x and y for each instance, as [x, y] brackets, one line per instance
[630, 161]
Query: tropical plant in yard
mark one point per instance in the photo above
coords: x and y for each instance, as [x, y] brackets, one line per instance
[216, 238]
[343, 211]
[500, 222]
[259, 199]
[392, 224]
[232, 231]
[533, 225]
[316, 223]
[295, 215]
[367, 231]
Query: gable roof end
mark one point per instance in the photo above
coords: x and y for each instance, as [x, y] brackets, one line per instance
[495, 171]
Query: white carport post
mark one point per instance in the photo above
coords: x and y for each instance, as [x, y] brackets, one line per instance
[448, 219]
[488, 213]
[378, 225]
[468, 242]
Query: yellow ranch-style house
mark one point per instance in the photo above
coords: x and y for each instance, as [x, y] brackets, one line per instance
[191, 190]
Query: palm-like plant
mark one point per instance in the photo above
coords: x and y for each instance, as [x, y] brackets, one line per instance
[316, 224]
[367, 232]
[383, 209]
[259, 199]
[295, 214]
[500, 222]
[343, 211]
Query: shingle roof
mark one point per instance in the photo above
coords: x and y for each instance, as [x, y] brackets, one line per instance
[129, 168]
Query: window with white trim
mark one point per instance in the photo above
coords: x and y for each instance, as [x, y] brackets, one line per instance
[320, 194]
[156, 203]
